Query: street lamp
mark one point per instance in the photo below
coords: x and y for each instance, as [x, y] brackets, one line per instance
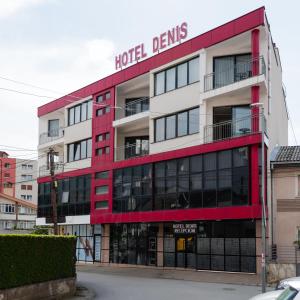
[263, 225]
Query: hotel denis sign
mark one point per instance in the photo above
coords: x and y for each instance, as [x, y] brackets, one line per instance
[184, 228]
[160, 42]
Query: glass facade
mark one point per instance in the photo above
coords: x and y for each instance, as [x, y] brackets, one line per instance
[202, 245]
[85, 249]
[133, 244]
[214, 179]
[73, 197]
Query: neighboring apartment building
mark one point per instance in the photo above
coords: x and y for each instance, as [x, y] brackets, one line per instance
[7, 174]
[18, 177]
[26, 187]
[162, 158]
[16, 215]
[285, 174]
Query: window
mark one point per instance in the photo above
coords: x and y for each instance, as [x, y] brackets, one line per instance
[187, 73]
[23, 187]
[159, 129]
[80, 112]
[230, 69]
[23, 197]
[194, 120]
[182, 128]
[177, 125]
[170, 79]
[171, 127]
[53, 128]
[102, 175]
[101, 204]
[26, 177]
[80, 150]
[102, 190]
[102, 151]
[103, 97]
[29, 197]
[193, 70]
[103, 111]
[103, 137]
[73, 197]
[7, 165]
[215, 179]
[7, 185]
[159, 83]
[30, 167]
[29, 187]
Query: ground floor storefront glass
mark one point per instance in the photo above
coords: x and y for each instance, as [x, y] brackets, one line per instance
[133, 244]
[210, 245]
[88, 245]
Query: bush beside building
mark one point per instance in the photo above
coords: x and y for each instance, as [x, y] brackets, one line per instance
[29, 259]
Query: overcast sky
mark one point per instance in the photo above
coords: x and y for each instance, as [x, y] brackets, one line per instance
[63, 45]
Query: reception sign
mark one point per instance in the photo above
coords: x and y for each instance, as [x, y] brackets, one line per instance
[185, 228]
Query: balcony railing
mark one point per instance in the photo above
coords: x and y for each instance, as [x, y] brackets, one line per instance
[233, 128]
[137, 106]
[45, 170]
[236, 73]
[51, 135]
[133, 150]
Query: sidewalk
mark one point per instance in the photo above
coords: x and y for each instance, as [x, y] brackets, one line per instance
[177, 274]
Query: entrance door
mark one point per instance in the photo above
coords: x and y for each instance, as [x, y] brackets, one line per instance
[186, 252]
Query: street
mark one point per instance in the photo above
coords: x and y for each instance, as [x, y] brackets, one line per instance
[114, 287]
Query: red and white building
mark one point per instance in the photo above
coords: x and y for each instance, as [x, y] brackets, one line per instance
[162, 158]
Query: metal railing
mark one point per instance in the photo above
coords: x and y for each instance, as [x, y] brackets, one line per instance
[137, 106]
[132, 150]
[236, 73]
[51, 135]
[45, 170]
[233, 128]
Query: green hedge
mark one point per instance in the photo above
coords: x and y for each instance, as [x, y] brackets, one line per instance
[27, 259]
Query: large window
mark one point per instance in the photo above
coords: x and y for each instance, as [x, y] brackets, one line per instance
[177, 76]
[80, 112]
[80, 150]
[73, 197]
[214, 179]
[53, 128]
[230, 69]
[177, 125]
[133, 244]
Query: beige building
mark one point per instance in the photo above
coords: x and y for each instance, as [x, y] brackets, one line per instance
[285, 224]
[16, 215]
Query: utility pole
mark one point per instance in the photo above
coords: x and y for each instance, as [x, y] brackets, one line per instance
[53, 190]
[263, 201]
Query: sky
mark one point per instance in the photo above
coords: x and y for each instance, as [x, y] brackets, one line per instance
[62, 45]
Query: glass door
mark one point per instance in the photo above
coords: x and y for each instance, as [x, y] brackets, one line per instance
[186, 252]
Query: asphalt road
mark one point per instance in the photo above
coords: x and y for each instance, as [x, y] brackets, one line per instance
[116, 287]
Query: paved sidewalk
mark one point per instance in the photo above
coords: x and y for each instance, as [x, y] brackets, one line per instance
[189, 275]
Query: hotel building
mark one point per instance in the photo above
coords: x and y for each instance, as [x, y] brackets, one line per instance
[159, 164]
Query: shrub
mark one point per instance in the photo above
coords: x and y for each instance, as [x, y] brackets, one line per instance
[28, 259]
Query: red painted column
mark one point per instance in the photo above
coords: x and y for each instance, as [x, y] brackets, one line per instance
[255, 51]
[254, 169]
[255, 119]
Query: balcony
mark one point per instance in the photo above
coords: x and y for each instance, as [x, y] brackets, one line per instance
[235, 73]
[234, 128]
[45, 170]
[136, 106]
[51, 135]
[128, 151]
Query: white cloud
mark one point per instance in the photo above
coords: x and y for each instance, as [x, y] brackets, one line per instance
[10, 7]
[61, 67]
